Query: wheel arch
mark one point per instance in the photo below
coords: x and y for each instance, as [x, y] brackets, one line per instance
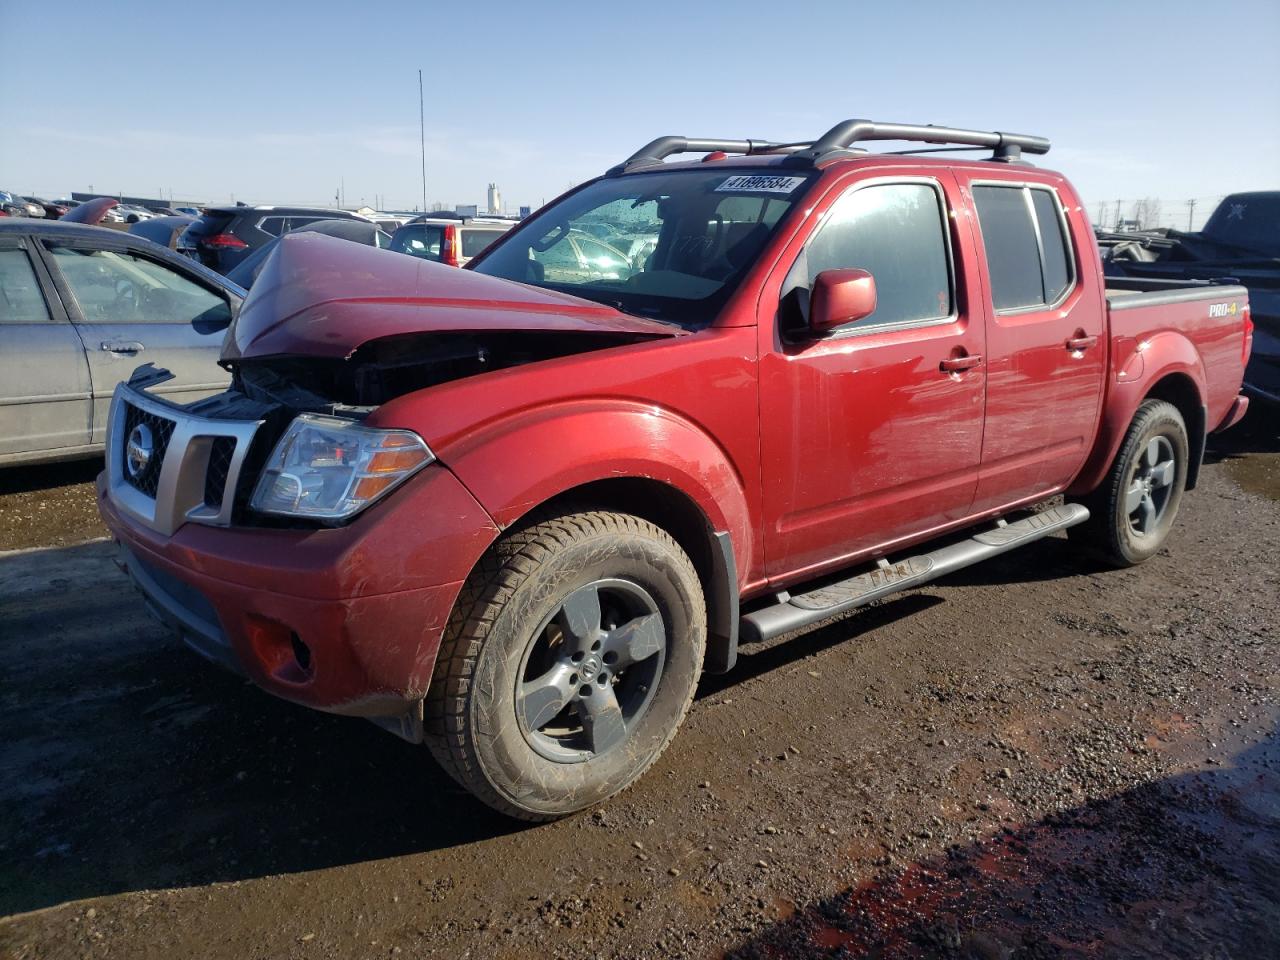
[675, 511]
[1179, 381]
[1180, 390]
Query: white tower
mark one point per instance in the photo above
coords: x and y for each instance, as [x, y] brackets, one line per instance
[495, 199]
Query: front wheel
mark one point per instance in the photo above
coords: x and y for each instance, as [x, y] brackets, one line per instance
[1133, 510]
[568, 664]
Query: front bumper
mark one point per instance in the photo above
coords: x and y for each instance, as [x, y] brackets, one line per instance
[346, 620]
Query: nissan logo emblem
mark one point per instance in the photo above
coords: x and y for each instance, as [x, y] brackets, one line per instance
[138, 450]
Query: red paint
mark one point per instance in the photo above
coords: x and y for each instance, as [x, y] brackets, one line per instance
[811, 453]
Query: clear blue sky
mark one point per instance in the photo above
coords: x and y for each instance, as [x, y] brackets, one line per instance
[280, 101]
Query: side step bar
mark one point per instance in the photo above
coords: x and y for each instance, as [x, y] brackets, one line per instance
[804, 609]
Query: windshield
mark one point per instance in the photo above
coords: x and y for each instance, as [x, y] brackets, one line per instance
[666, 245]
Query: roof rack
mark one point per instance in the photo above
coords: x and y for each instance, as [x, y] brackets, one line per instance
[838, 142]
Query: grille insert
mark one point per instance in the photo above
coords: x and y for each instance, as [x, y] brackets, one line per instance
[215, 478]
[161, 428]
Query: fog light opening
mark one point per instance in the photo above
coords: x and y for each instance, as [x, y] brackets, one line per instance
[301, 652]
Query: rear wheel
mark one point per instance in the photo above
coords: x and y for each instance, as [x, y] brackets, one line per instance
[568, 664]
[1133, 510]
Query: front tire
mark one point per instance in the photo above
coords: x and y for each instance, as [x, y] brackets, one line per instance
[568, 664]
[1133, 510]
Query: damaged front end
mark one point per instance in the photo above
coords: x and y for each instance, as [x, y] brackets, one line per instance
[330, 332]
[238, 457]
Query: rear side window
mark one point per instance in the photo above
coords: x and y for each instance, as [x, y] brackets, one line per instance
[21, 300]
[419, 241]
[1027, 255]
[474, 242]
[897, 233]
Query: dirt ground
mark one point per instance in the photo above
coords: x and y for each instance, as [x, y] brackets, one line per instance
[1035, 758]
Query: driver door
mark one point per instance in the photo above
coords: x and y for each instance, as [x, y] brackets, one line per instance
[131, 309]
[871, 434]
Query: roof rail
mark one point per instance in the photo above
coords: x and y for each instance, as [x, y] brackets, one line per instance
[655, 151]
[838, 142]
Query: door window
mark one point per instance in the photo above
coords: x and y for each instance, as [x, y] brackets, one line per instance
[21, 300]
[897, 233]
[1027, 254]
[115, 287]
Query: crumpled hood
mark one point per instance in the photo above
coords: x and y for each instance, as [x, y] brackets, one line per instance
[323, 297]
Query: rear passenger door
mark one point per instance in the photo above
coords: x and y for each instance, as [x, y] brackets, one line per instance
[1046, 348]
[131, 309]
[44, 376]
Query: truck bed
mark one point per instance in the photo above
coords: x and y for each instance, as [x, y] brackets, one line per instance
[1207, 314]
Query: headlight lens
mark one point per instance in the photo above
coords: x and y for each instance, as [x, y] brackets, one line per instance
[331, 468]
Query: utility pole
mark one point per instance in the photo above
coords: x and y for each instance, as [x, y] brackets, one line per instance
[1117, 226]
[422, 141]
[1191, 212]
[1102, 214]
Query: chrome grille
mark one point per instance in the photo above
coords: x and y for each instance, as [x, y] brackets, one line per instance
[194, 466]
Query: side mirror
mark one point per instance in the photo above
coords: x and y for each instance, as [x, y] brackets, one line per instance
[839, 297]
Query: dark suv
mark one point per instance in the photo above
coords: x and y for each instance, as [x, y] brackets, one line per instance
[223, 236]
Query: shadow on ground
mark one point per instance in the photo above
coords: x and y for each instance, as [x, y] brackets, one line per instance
[1187, 866]
[44, 476]
[129, 763]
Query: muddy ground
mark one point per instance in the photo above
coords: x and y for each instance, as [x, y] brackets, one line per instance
[1035, 758]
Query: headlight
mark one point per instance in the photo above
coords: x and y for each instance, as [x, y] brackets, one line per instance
[330, 468]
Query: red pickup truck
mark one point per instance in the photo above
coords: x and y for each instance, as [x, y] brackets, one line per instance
[513, 511]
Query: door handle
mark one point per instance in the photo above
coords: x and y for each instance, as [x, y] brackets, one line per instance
[958, 364]
[1081, 343]
[127, 347]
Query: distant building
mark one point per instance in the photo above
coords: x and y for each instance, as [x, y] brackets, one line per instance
[495, 199]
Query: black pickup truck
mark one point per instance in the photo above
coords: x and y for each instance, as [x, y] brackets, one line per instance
[1240, 243]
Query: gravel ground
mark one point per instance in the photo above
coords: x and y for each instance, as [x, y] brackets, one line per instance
[1034, 758]
[49, 506]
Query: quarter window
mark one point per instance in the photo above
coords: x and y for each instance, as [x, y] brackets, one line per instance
[897, 233]
[272, 225]
[1057, 264]
[1027, 254]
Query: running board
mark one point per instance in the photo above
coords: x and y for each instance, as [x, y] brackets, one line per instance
[804, 609]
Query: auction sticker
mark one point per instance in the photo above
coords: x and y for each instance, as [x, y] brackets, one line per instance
[759, 184]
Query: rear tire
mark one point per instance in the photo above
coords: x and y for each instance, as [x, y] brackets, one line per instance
[568, 664]
[1133, 510]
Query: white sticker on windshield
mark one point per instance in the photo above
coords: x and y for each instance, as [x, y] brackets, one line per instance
[759, 184]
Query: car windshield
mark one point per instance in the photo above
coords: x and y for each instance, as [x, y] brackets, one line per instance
[668, 245]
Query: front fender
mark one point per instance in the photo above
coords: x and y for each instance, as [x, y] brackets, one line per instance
[1152, 360]
[513, 465]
